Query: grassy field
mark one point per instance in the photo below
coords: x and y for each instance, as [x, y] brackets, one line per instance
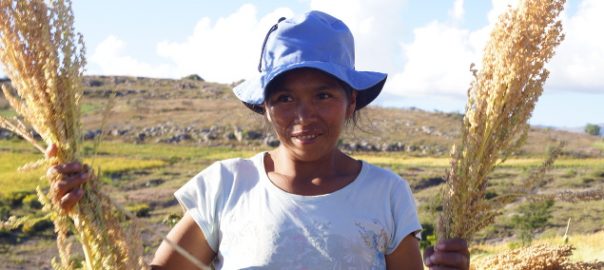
[143, 177]
[518, 163]
[13, 180]
[588, 247]
[599, 144]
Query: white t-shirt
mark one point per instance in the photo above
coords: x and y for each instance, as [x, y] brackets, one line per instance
[252, 224]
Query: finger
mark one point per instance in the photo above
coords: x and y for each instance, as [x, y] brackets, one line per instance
[51, 150]
[71, 199]
[69, 168]
[450, 259]
[453, 245]
[64, 169]
[71, 182]
[427, 253]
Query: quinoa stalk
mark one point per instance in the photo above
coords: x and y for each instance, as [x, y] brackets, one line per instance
[44, 59]
[501, 99]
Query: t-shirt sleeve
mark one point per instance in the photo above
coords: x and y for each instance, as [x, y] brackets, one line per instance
[201, 199]
[404, 213]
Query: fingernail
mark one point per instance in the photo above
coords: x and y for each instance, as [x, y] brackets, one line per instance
[440, 246]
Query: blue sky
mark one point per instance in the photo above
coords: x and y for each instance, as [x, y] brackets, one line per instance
[426, 47]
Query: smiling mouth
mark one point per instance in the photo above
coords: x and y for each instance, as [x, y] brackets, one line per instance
[306, 137]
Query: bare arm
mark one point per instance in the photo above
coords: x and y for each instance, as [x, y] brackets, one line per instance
[406, 255]
[189, 236]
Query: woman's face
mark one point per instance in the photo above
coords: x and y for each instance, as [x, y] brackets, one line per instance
[308, 110]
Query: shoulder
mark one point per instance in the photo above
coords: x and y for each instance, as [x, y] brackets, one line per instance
[382, 174]
[222, 175]
[388, 180]
[232, 167]
[379, 171]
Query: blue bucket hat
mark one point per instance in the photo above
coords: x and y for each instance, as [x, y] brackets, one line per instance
[314, 40]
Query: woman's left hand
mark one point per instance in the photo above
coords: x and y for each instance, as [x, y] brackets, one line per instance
[448, 254]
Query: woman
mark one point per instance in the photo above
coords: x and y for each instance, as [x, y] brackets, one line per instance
[305, 204]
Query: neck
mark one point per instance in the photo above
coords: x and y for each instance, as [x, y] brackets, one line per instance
[287, 164]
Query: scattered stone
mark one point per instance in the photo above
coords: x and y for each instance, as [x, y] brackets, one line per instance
[429, 182]
[6, 134]
[238, 134]
[393, 147]
[253, 135]
[154, 182]
[428, 130]
[91, 134]
[208, 135]
[271, 141]
[230, 136]
[410, 148]
[194, 77]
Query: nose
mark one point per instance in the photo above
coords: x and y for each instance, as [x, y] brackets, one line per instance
[306, 112]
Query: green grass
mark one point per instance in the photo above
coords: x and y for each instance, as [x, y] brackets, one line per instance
[436, 162]
[599, 144]
[7, 113]
[90, 108]
[13, 181]
[113, 158]
[167, 152]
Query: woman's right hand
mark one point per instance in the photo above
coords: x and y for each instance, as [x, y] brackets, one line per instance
[68, 190]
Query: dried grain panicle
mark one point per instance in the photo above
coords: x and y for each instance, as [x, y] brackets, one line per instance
[501, 99]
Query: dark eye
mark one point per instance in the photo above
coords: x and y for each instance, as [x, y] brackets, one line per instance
[283, 98]
[324, 95]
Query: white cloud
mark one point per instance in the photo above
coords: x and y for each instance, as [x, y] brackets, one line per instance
[225, 51]
[109, 57]
[438, 58]
[579, 62]
[377, 28]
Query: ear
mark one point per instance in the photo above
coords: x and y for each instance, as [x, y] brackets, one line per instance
[266, 113]
[352, 105]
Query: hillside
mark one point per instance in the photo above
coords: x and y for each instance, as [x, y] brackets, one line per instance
[192, 111]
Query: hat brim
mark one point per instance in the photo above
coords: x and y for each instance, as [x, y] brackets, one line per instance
[368, 84]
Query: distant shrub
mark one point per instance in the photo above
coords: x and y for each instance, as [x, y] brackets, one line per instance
[193, 77]
[16, 198]
[592, 129]
[4, 210]
[428, 237]
[140, 210]
[31, 200]
[531, 217]
[490, 195]
[35, 225]
[171, 219]
[95, 83]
